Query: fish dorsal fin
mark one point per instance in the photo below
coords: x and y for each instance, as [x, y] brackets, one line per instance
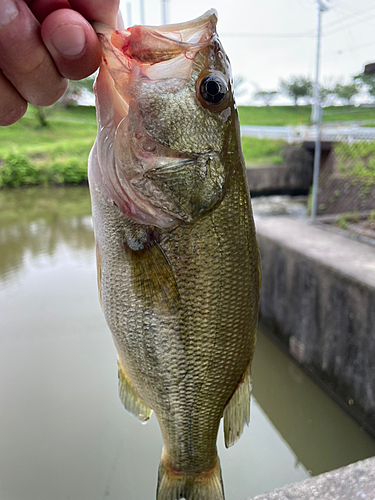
[237, 411]
[129, 396]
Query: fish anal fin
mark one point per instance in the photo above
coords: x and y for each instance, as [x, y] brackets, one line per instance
[129, 396]
[237, 410]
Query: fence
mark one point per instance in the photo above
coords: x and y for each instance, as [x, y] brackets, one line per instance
[347, 172]
[347, 176]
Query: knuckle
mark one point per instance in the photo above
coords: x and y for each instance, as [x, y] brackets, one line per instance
[9, 116]
[48, 94]
[36, 62]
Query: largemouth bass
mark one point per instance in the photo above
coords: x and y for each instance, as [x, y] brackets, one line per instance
[178, 261]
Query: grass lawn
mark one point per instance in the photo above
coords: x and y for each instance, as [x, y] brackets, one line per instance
[289, 115]
[31, 154]
[258, 152]
[68, 132]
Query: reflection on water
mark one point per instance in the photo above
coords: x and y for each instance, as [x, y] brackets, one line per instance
[34, 222]
[319, 432]
[64, 434]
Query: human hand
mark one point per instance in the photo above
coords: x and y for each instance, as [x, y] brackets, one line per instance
[42, 44]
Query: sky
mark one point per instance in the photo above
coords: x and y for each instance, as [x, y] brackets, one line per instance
[271, 40]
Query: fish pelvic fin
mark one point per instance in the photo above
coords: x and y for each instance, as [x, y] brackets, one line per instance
[130, 398]
[237, 410]
[175, 485]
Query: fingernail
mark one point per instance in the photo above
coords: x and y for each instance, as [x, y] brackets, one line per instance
[8, 12]
[69, 40]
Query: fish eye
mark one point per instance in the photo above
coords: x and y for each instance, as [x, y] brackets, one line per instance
[213, 89]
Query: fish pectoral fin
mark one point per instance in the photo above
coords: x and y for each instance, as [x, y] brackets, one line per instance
[237, 410]
[153, 276]
[129, 396]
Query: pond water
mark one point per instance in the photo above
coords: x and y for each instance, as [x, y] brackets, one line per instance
[63, 432]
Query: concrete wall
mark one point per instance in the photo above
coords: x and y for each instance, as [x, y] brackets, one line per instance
[294, 176]
[347, 483]
[318, 299]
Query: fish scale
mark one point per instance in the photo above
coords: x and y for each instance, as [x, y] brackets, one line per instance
[178, 261]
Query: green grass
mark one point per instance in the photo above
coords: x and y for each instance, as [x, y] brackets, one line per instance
[343, 220]
[259, 152]
[66, 131]
[289, 115]
[55, 154]
[356, 160]
[274, 115]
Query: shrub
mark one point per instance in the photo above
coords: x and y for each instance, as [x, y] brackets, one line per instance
[17, 170]
[71, 171]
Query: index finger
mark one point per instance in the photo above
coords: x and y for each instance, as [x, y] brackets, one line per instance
[97, 10]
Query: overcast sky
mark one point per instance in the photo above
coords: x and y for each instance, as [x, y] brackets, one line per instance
[280, 35]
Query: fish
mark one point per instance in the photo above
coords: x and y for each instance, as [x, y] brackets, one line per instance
[177, 257]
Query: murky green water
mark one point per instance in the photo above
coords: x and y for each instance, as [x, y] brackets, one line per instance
[63, 432]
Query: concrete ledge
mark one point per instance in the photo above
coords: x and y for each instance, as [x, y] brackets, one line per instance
[294, 176]
[318, 300]
[356, 481]
[278, 179]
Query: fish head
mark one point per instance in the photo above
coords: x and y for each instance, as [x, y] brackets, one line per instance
[167, 122]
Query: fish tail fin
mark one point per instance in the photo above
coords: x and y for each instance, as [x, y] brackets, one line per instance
[175, 485]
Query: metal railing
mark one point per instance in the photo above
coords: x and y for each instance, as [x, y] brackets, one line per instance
[303, 133]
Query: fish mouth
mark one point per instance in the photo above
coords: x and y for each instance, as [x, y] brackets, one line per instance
[151, 44]
[141, 53]
[154, 52]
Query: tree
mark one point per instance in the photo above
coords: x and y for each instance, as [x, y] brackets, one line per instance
[71, 97]
[239, 86]
[297, 87]
[75, 91]
[325, 94]
[42, 113]
[267, 96]
[346, 92]
[367, 82]
[327, 91]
